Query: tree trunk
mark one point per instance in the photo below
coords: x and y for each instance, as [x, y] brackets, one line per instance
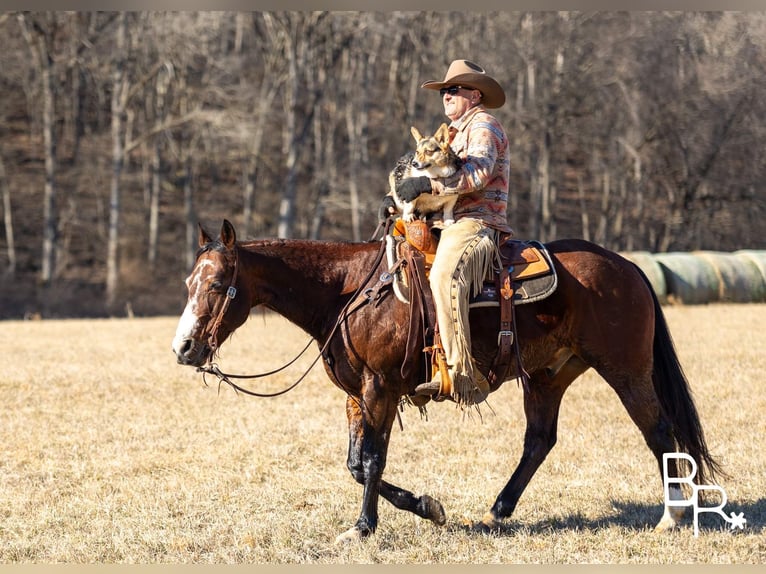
[50, 216]
[353, 169]
[119, 95]
[8, 221]
[154, 202]
[354, 130]
[40, 45]
[584, 219]
[286, 223]
[544, 182]
[322, 150]
[191, 230]
[161, 88]
[606, 188]
[265, 100]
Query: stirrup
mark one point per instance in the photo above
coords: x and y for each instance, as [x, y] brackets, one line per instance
[440, 386]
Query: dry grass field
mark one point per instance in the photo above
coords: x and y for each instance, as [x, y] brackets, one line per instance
[113, 453]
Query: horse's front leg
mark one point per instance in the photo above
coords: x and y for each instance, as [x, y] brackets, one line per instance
[370, 420]
[367, 449]
[541, 407]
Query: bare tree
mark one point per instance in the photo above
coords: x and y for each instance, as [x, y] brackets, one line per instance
[298, 31]
[8, 221]
[39, 32]
[272, 78]
[120, 92]
[161, 85]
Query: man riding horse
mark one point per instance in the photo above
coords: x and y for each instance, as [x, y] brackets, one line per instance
[467, 250]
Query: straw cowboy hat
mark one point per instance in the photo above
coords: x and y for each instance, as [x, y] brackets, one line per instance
[470, 75]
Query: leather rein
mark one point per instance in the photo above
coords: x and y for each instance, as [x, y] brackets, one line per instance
[213, 369]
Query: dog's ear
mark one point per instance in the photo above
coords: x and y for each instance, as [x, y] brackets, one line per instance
[442, 135]
[416, 134]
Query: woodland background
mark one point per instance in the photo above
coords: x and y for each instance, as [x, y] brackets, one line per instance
[119, 131]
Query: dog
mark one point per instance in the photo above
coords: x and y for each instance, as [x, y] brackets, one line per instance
[433, 157]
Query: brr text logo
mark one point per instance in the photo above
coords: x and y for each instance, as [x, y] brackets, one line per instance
[674, 495]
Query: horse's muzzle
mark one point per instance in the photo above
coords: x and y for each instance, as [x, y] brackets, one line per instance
[191, 353]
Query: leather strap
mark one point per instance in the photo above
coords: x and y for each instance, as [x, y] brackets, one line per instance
[422, 316]
[506, 335]
[231, 292]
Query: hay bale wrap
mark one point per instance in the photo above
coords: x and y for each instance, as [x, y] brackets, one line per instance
[690, 279]
[648, 264]
[755, 260]
[736, 279]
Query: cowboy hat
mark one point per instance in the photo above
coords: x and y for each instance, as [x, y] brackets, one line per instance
[470, 75]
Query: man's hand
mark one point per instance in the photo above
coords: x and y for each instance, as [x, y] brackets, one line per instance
[411, 187]
[387, 207]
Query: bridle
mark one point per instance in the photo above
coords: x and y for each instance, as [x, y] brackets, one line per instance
[231, 292]
[370, 296]
[212, 368]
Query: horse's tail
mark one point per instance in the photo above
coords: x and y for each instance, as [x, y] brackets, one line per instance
[675, 396]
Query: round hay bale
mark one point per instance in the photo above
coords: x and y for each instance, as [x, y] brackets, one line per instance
[738, 281]
[690, 279]
[648, 264]
[755, 258]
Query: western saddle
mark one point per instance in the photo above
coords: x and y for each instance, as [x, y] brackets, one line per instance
[526, 275]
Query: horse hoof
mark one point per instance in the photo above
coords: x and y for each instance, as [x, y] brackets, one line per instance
[434, 511]
[670, 519]
[666, 525]
[353, 534]
[486, 525]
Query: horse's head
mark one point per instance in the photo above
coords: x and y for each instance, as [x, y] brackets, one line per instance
[215, 307]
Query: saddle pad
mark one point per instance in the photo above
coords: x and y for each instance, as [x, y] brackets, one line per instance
[534, 278]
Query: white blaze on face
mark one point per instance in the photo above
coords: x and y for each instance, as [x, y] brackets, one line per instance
[189, 321]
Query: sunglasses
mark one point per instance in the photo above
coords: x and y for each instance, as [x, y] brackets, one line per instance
[452, 90]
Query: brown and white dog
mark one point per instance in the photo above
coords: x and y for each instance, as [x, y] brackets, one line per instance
[433, 157]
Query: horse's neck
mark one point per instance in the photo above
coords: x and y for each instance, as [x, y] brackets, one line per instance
[307, 282]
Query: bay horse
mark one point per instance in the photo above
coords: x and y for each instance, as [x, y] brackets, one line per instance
[603, 315]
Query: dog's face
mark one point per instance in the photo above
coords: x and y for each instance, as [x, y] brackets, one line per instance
[433, 154]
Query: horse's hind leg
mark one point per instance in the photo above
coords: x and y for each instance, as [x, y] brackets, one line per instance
[639, 398]
[541, 407]
[361, 439]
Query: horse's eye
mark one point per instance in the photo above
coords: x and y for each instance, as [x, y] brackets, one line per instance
[216, 286]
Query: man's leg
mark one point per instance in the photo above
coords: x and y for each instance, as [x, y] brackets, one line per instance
[466, 253]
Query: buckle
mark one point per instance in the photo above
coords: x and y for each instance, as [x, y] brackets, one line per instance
[502, 334]
[231, 292]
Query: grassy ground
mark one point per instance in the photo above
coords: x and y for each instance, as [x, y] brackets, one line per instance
[113, 453]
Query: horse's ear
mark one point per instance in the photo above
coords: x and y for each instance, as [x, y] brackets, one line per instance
[228, 235]
[203, 238]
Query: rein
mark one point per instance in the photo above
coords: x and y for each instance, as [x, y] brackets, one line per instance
[213, 369]
[231, 292]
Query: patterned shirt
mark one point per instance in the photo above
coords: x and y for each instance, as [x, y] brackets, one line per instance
[482, 183]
